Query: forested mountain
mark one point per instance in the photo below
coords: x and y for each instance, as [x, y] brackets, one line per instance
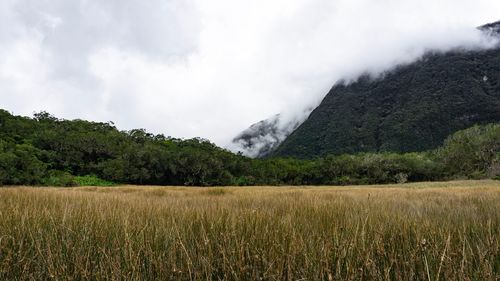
[412, 108]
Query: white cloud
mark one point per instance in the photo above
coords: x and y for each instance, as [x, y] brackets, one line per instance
[203, 68]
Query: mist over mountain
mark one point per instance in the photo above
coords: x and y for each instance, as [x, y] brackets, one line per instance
[413, 107]
[492, 28]
[210, 69]
[264, 137]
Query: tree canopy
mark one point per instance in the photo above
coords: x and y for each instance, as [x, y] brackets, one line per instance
[45, 150]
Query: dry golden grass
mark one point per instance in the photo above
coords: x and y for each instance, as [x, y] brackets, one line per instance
[424, 231]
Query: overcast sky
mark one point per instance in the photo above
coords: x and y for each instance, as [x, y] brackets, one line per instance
[211, 68]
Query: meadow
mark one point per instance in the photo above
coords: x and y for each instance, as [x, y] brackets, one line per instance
[421, 231]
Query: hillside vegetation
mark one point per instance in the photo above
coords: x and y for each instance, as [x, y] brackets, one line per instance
[412, 108]
[45, 150]
[440, 231]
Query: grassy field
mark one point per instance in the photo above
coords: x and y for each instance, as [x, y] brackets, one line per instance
[425, 231]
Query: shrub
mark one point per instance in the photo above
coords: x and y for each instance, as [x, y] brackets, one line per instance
[471, 152]
[92, 180]
[59, 178]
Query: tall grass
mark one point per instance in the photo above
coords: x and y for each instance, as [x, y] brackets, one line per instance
[439, 231]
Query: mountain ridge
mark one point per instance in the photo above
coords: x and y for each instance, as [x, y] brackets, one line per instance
[411, 108]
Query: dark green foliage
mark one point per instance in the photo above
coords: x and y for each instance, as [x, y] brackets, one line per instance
[52, 152]
[474, 152]
[413, 108]
[20, 164]
[373, 168]
[91, 180]
[31, 150]
[59, 178]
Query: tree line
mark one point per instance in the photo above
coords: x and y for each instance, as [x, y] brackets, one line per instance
[45, 150]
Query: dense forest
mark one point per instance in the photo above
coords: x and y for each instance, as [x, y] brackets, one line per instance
[45, 150]
[414, 107]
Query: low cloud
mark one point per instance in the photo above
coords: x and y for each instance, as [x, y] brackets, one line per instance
[193, 68]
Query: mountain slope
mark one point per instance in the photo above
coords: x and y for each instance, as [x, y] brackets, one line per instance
[262, 138]
[412, 108]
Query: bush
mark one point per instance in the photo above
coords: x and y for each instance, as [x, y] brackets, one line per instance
[20, 164]
[59, 178]
[92, 180]
[472, 152]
